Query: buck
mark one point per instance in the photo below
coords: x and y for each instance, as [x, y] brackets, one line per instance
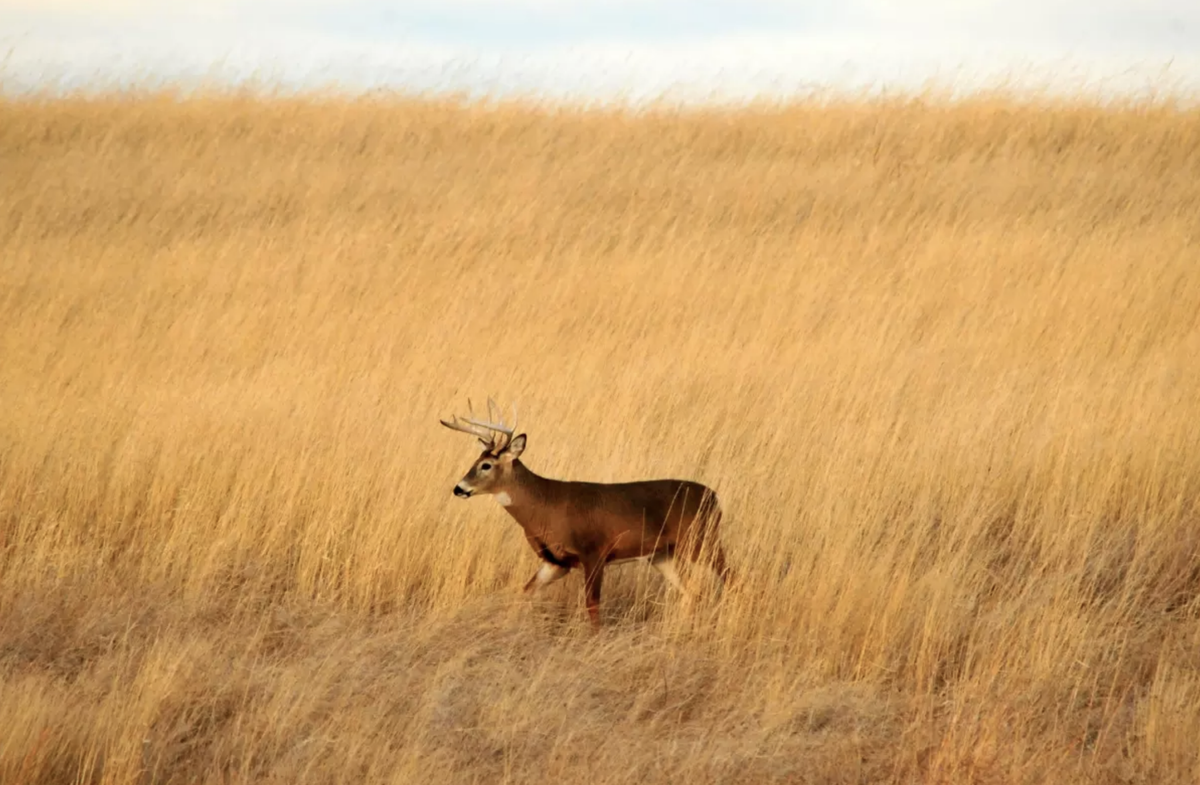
[592, 525]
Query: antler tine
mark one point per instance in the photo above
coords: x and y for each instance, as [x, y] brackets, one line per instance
[493, 409]
[493, 423]
[508, 431]
[493, 433]
[484, 435]
[498, 427]
[499, 434]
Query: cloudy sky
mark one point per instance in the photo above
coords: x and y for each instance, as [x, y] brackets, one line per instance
[725, 48]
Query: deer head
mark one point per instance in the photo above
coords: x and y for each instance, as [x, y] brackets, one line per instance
[492, 471]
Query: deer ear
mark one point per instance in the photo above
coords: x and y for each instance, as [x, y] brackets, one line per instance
[516, 447]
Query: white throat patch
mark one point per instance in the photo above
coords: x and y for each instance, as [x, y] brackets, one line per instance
[504, 499]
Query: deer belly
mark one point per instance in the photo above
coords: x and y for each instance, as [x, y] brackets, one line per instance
[627, 560]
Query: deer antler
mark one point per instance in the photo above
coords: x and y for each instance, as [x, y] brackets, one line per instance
[492, 433]
[466, 426]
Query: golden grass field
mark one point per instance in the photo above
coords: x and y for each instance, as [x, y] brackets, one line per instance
[941, 360]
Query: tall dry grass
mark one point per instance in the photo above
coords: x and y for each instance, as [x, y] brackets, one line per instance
[941, 361]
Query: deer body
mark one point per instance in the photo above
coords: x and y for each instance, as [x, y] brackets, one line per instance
[589, 525]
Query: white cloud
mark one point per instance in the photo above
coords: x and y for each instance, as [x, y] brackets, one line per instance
[606, 48]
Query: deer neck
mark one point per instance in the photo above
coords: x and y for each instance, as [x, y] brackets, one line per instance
[527, 492]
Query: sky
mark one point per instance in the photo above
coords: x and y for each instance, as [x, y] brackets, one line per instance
[709, 49]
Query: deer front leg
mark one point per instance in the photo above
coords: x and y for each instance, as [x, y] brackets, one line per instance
[548, 573]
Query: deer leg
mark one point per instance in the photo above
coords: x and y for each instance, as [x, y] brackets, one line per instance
[593, 577]
[721, 567]
[548, 573]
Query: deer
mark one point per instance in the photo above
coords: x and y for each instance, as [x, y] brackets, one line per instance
[592, 525]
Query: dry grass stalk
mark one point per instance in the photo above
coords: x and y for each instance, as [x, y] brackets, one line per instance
[939, 360]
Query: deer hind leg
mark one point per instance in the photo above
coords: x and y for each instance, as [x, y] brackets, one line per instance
[665, 564]
[593, 578]
[548, 573]
[712, 556]
[721, 567]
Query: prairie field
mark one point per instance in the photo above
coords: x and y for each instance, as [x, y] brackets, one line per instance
[940, 359]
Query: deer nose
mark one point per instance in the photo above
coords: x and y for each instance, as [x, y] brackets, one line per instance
[461, 491]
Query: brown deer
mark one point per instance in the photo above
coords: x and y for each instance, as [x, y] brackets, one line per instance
[591, 525]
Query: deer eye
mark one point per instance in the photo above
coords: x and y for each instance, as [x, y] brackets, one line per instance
[486, 467]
